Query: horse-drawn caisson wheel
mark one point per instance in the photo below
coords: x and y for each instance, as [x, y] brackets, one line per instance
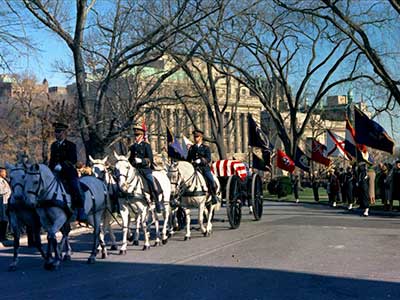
[233, 201]
[257, 196]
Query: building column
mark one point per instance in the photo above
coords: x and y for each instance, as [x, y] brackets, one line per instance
[227, 139]
[245, 136]
[237, 133]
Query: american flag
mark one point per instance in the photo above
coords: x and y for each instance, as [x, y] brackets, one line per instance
[228, 167]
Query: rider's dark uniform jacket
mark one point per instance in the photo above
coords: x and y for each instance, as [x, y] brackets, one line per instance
[63, 154]
[143, 151]
[203, 152]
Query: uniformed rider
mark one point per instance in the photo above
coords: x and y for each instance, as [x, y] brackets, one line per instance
[200, 156]
[63, 158]
[141, 157]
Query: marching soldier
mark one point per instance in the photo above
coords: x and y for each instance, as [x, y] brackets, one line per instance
[141, 157]
[63, 157]
[200, 156]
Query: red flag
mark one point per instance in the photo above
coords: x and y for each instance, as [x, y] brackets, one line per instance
[318, 153]
[284, 162]
[145, 137]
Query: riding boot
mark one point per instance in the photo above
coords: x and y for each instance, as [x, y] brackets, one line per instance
[214, 198]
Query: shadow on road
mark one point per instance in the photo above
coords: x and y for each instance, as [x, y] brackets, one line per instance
[110, 279]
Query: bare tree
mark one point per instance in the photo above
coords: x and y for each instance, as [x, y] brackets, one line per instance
[283, 57]
[361, 21]
[115, 40]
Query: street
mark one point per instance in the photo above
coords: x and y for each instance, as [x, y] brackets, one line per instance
[296, 251]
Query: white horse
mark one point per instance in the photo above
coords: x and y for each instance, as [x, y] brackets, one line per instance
[190, 187]
[133, 185]
[46, 193]
[101, 171]
[20, 213]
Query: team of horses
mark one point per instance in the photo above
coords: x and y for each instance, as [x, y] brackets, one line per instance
[40, 201]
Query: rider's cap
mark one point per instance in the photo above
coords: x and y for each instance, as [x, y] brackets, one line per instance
[58, 126]
[137, 128]
[198, 132]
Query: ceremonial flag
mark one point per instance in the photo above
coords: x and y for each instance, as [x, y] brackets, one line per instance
[144, 127]
[358, 151]
[186, 145]
[257, 138]
[370, 133]
[174, 147]
[259, 163]
[318, 153]
[302, 160]
[335, 145]
[284, 162]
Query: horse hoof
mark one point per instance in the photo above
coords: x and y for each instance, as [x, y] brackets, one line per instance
[164, 242]
[67, 257]
[135, 243]
[205, 234]
[103, 255]
[113, 248]
[91, 260]
[169, 234]
[145, 248]
[122, 252]
[187, 238]
[12, 268]
[130, 238]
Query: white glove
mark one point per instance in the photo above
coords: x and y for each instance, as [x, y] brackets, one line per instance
[57, 168]
[197, 161]
[138, 160]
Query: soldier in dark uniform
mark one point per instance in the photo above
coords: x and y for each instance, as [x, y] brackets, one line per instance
[200, 156]
[141, 157]
[363, 188]
[63, 157]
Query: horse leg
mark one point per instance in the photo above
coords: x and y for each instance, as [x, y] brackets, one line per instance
[187, 236]
[108, 225]
[65, 230]
[209, 219]
[165, 225]
[38, 241]
[125, 222]
[96, 234]
[157, 228]
[201, 218]
[102, 243]
[15, 225]
[146, 233]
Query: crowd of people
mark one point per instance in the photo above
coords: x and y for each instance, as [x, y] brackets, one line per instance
[358, 184]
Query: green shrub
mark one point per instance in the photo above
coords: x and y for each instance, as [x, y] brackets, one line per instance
[280, 186]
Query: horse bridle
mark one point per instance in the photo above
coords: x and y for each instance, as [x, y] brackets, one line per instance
[126, 176]
[41, 182]
[13, 186]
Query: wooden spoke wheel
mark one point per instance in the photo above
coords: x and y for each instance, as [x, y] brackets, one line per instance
[257, 196]
[233, 201]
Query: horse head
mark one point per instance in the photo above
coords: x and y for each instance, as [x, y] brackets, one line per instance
[17, 182]
[174, 177]
[99, 167]
[125, 173]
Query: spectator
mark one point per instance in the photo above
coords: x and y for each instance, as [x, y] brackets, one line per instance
[394, 181]
[371, 192]
[5, 193]
[295, 187]
[381, 184]
[315, 186]
[347, 189]
[363, 188]
[333, 187]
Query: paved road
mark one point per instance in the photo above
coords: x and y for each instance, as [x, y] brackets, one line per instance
[295, 252]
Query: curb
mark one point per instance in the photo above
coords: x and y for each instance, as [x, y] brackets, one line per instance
[356, 211]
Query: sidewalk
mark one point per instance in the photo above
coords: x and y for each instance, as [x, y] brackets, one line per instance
[340, 206]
